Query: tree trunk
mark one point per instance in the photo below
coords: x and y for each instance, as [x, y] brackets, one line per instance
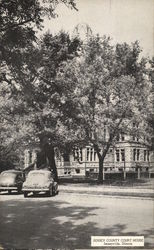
[100, 174]
[47, 157]
[101, 158]
[50, 155]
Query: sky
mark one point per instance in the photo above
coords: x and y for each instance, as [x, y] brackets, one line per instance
[122, 20]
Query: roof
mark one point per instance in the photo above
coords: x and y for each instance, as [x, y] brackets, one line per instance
[40, 171]
[12, 171]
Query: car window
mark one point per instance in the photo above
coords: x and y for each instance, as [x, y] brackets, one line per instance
[38, 175]
[8, 174]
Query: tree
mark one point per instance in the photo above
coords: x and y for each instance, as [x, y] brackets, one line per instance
[36, 97]
[19, 19]
[11, 140]
[110, 92]
[19, 22]
[151, 111]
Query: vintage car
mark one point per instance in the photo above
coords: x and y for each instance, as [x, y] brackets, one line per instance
[40, 181]
[11, 180]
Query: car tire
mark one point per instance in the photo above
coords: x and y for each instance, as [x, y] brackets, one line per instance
[55, 188]
[25, 194]
[50, 192]
[54, 192]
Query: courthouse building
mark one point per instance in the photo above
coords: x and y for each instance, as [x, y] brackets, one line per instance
[129, 154]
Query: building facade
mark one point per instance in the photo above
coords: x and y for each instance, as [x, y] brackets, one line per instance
[127, 155]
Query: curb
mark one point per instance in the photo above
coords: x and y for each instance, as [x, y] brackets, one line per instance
[108, 193]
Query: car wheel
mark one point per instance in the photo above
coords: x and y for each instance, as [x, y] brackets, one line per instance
[54, 191]
[25, 194]
[50, 191]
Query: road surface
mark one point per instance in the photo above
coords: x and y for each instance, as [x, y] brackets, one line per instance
[69, 220]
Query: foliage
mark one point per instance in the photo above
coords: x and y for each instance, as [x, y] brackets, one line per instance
[35, 99]
[66, 93]
[151, 111]
[110, 92]
[19, 22]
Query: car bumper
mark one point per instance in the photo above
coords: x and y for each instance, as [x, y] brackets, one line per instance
[8, 188]
[35, 189]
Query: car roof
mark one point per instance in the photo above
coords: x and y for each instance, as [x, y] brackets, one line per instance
[40, 171]
[12, 171]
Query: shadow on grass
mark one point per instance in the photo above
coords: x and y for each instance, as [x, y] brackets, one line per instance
[55, 225]
[119, 182]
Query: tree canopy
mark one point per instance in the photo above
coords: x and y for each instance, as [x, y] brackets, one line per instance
[34, 95]
[110, 90]
[19, 62]
[65, 92]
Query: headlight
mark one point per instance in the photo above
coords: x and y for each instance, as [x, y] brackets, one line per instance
[46, 185]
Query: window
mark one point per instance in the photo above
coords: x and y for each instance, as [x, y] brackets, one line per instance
[81, 158]
[134, 154]
[145, 155]
[91, 154]
[77, 170]
[148, 153]
[78, 154]
[66, 157]
[122, 155]
[87, 154]
[95, 155]
[122, 137]
[117, 155]
[138, 154]
[135, 138]
[118, 137]
[91, 170]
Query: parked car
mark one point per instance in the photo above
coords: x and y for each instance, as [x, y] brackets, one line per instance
[11, 180]
[40, 181]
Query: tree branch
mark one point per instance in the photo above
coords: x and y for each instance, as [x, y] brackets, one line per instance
[12, 26]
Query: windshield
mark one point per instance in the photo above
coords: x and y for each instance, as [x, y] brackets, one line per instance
[39, 176]
[9, 174]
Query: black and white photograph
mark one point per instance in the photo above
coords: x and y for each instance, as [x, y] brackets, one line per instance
[76, 124]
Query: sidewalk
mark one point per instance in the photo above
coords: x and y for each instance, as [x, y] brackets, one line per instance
[88, 188]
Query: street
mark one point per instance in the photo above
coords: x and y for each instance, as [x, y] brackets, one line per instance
[69, 220]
